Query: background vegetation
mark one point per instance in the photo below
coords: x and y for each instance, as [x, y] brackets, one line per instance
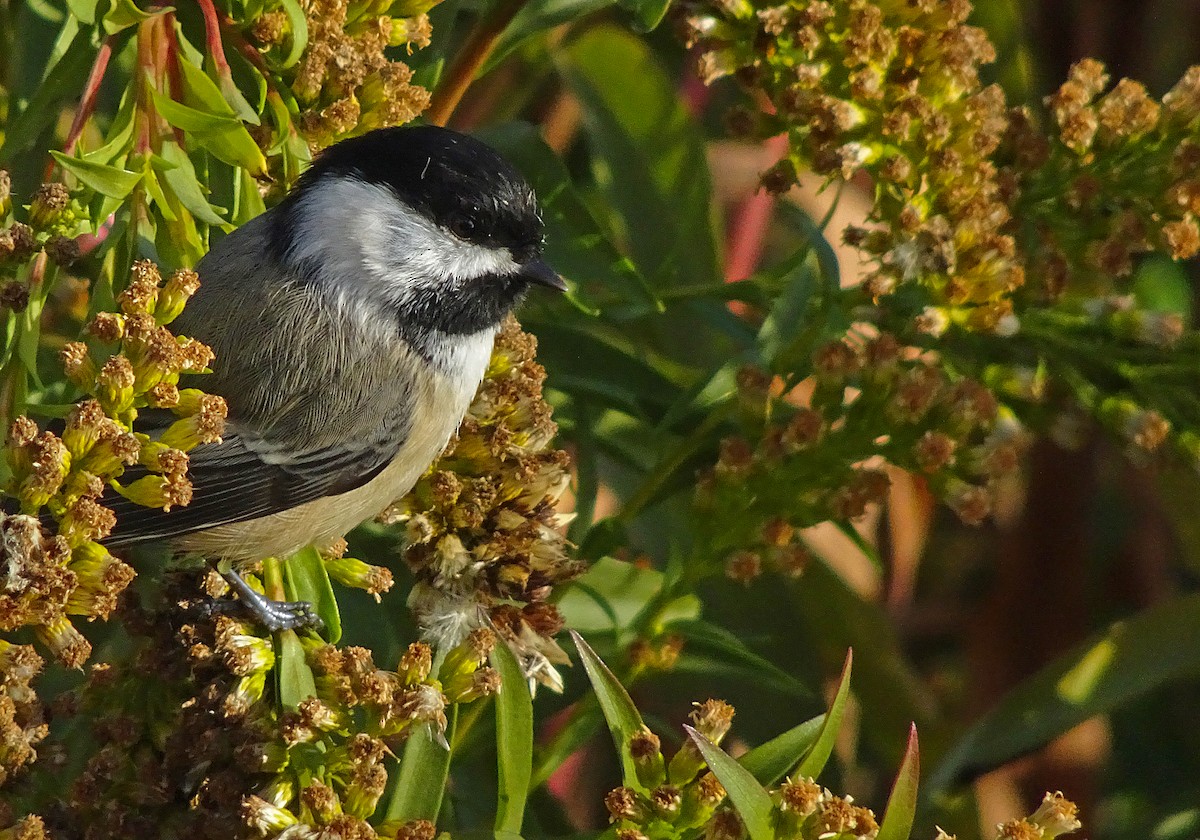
[929, 394]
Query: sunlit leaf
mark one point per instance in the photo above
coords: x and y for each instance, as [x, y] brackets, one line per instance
[902, 802]
[514, 740]
[622, 716]
[749, 799]
[424, 768]
[1130, 659]
[107, 180]
[770, 762]
[296, 681]
[306, 579]
[814, 760]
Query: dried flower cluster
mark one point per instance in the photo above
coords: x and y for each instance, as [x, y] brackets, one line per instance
[53, 561]
[1123, 164]
[483, 535]
[894, 89]
[676, 796]
[971, 197]
[831, 445]
[191, 742]
[344, 84]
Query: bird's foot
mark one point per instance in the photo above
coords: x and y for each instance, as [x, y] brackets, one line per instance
[273, 615]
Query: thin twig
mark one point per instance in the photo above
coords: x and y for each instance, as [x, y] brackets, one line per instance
[87, 102]
[473, 55]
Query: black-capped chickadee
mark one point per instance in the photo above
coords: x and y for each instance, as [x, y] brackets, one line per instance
[352, 325]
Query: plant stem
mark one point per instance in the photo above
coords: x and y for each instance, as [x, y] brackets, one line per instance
[91, 90]
[474, 53]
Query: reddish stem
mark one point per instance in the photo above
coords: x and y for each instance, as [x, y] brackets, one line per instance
[212, 36]
[474, 53]
[87, 102]
[749, 226]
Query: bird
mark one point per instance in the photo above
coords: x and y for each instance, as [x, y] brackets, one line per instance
[352, 324]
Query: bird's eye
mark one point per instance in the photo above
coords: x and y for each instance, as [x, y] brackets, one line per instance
[462, 227]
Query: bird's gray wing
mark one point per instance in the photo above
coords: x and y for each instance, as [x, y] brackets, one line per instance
[241, 479]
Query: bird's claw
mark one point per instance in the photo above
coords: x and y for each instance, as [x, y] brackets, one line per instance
[273, 615]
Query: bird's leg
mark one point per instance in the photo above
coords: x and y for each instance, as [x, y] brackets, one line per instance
[274, 615]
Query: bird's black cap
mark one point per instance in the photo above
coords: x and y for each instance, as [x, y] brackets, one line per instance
[459, 182]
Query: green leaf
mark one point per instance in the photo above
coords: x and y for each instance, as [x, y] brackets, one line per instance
[296, 682]
[611, 595]
[647, 14]
[770, 762]
[566, 741]
[205, 94]
[747, 796]
[726, 651]
[1130, 659]
[62, 82]
[306, 579]
[622, 716]
[536, 17]
[902, 803]
[104, 179]
[84, 10]
[514, 740]
[155, 191]
[299, 26]
[814, 760]
[221, 134]
[650, 162]
[125, 13]
[192, 120]
[424, 768]
[181, 177]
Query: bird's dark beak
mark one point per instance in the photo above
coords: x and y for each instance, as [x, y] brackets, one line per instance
[536, 271]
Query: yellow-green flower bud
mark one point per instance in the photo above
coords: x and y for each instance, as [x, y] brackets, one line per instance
[645, 750]
[356, 574]
[114, 385]
[66, 643]
[49, 205]
[180, 287]
[265, 818]
[5, 194]
[158, 491]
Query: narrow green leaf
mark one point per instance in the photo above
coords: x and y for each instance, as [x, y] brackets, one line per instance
[1130, 659]
[902, 803]
[125, 13]
[85, 10]
[249, 199]
[622, 716]
[202, 92]
[222, 134]
[814, 760]
[306, 579]
[424, 768]
[180, 176]
[514, 740]
[770, 762]
[296, 681]
[650, 161]
[61, 83]
[154, 189]
[299, 27]
[537, 17]
[104, 179]
[748, 797]
[647, 14]
[703, 636]
[567, 741]
[193, 120]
